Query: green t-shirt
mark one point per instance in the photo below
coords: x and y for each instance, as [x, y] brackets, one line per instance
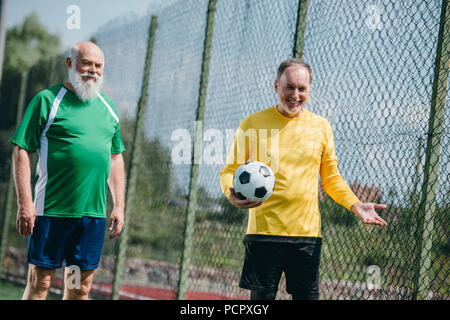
[75, 140]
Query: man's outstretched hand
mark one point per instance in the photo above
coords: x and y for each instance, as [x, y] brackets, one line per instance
[366, 212]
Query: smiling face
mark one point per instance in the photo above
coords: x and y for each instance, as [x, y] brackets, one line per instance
[85, 70]
[89, 61]
[292, 89]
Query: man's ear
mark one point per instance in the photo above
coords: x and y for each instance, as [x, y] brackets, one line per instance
[275, 85]
[68, 63]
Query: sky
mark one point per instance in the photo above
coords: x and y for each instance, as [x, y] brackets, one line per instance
[93, 14]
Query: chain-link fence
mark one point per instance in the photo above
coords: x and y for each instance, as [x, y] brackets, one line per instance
[193, 71]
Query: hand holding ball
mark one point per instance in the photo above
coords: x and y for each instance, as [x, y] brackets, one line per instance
[253, 180]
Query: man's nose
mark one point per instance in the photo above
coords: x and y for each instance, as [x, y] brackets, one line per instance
[92, 68]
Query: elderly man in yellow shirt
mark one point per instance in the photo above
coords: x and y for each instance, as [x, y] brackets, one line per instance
[284, 232]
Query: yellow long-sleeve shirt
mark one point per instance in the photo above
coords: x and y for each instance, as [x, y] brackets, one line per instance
[297, 150]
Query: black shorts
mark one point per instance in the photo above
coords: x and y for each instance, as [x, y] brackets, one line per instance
[265, 261]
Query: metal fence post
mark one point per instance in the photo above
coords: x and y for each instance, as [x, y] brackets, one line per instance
[3, 5]
[299, 40]
[192, 197]
[431, 169]
[9, 200]
[134, 163]
[414, 197]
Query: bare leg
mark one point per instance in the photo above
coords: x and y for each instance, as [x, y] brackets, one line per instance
[38, 283]
[77, 289]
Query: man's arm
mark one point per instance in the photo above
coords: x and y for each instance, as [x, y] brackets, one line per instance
[335, 186]
[116, 183]
[26, 212]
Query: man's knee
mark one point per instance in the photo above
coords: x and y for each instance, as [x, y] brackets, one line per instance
[40, 278]
[81, 291]
[39, 282]
[78, 288]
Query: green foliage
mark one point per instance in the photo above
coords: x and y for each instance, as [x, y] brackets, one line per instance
[156, 228]
[5, 154]
[441, 242]
[157, 172]
[336, 214]
[229, 213]
[28, 43]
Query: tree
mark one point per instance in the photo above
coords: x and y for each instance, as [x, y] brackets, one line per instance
[28, 43]
[29, 46]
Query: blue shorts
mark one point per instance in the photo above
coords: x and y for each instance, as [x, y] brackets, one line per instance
[77, 241]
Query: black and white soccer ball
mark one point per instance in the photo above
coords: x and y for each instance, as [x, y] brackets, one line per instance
[253, 180]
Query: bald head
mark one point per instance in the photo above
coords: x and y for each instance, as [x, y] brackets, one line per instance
[84, 49]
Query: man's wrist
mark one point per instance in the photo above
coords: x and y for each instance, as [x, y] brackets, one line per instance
[24, 202]
[119, 206]
[353, 207]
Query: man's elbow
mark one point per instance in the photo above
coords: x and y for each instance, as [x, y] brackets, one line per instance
[20, 154]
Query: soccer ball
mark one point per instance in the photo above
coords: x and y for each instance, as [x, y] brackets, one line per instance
[253, 180]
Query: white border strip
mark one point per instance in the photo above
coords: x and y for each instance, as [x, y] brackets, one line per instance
[41, 184]
[109, 108]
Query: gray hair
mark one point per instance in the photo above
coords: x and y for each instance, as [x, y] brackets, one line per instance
[72, 53]
[293, 62]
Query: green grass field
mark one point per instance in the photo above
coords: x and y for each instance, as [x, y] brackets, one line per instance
[10, 291]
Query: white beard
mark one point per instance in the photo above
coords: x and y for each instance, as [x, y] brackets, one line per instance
[85, 90]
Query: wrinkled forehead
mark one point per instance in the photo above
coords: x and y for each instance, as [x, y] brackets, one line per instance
[295, 74]
[90, 53]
